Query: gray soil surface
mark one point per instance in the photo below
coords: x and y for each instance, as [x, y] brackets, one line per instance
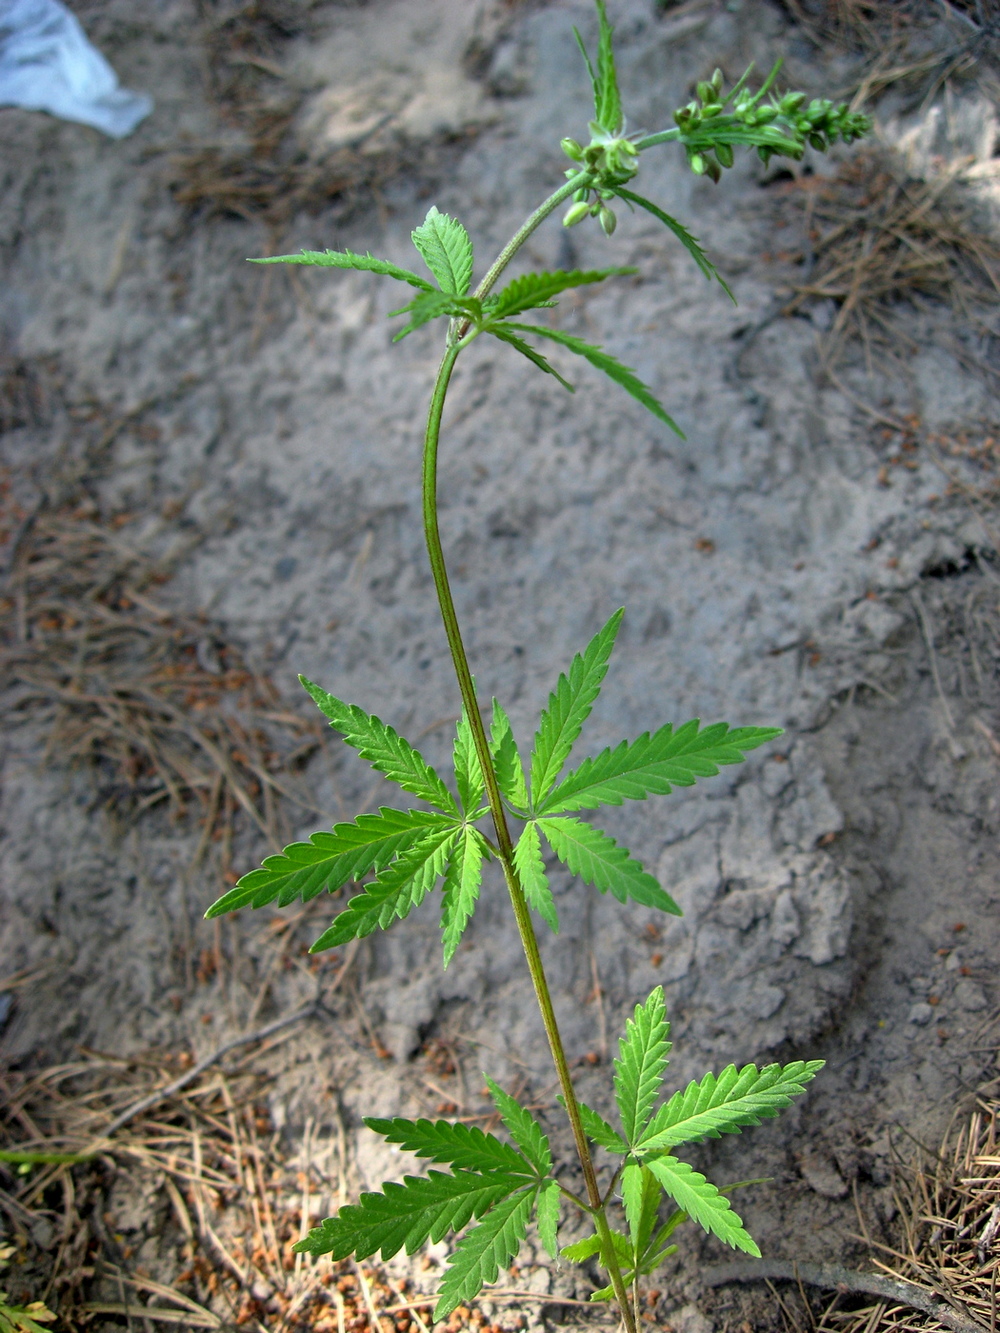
[839, 889]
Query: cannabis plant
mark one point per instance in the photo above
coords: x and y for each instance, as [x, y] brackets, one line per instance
[493, 1189]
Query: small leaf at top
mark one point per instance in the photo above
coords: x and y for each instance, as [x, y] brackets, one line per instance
[608, 107]
[524, 1128]
[346, 259]
[531, 872]
[535, 289]
[700, 1199]
[461, 888]
[598, 860]
[605, 362]
[569, 707]
[386, 751]
[641, 1062]
[683, 235]
[447, 251]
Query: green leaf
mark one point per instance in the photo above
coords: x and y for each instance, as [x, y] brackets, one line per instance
[569, 707]
[523, 1127]
[608, 105]
[386, 751]
[502, 332]
[430, 305]
[468, 770]
[725, 1105]
[461, 888]
[462, 1146]
[506, 760]
[346, 259]
[642, 1058]
[536, 289]
[447, 251]
[598, 860]
[641, 1193]
[590, 67]
[547, 1217]
[654, 765]
[598, 1129]
[328, 860]
[419, 1209]
[481, 1254]
[701, 1201]
[581, 1250]
[531, 871]
[604, 361]
[400, 887]
[683, 235]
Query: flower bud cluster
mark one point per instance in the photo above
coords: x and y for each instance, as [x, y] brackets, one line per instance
[612, 160]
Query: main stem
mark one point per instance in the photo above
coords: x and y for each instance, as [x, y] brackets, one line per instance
[522, 915]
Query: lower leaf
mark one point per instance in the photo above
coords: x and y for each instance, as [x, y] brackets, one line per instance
[481, 1254]
[700, 1199]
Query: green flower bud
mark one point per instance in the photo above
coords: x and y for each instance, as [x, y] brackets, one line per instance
[572, 149]
[713, 170]
[717, 82]
[711, 109]
[582, 195]
[608, 221]
[697, 163]
[705, 91]
[791, 102]
[575, 213]
[724, 152]
[606, 194]
[818, 142]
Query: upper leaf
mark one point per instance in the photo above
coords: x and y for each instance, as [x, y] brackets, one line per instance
[547, 1217]
[726, 1104]
[598, 1129]
[502, 331]
[386, 751]
[523, 1127]
[506, 760]
[400, 887]
[683, 235]
[430, 305]
[447, 251]
[598, 860]
[607, 101]
[328, 860]
[481, 1254]
[421, 1208]
[468, 770]
[613, 368]
[346, 259]
[531, 872]
[569, 707]
[700, 1199]
[640, 1064]
[535, 289]
[462, 1146]
[653, 765]
[461, 888]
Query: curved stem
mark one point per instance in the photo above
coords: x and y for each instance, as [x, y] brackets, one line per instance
[505, 846]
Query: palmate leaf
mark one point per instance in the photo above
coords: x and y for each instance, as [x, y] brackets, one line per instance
[386, 751]
[506, 760]
[642, 1058]
[689, 243]
[346, 259]
[419, 1209]
[398, 889]
[431, 305]
[446, 250]
[468, 770]
[604, 361]
[535, 357]
[547, 1217]
[598, 860]
[598, 1129]
[479, 1255]
[465, 1147]
[461, 888]
[654, 765]
[523, 1128]
[328, 860]
[569, 707]
[702, 1202]
[535, 289]
[725, 1105]
[531, 871]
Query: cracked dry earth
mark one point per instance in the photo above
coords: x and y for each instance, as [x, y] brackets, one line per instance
[840, 889]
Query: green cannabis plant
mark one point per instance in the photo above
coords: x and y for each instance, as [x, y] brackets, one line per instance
[493, 1189]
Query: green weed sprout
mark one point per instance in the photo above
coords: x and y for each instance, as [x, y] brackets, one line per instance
[493, 1189]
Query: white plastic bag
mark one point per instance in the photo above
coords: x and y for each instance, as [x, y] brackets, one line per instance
[47, 64]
